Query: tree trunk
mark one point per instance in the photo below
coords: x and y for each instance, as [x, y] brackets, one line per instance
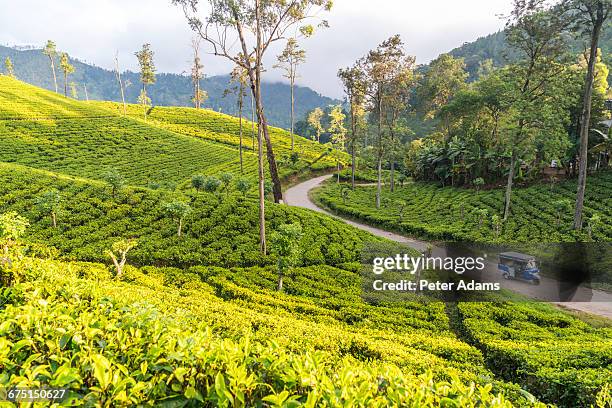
[54, 219]
[256, 89]
[276, 184]
[262, 193]
[240, 103]
[65, 84]
[252, 123]
[292, 111]
[353, 144]
[338, 165]
[379, 164]
[180, 227]
[379, 181]
[279, 285]
[392, 176]
[54, 76]
[122, 96]
[86, 94]
[586, 120]
[353, 166]
[509, 185]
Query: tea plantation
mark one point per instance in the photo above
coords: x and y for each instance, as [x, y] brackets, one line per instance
[214, 126]
[540, 213]
[195, 320]
[44, 130]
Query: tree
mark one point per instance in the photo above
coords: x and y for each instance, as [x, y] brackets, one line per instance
[385, 68]
[239, 78]
[444, 78]
[12, 228]
[353, 80]
[478, 182]
[590, 16]
[198, 181]
[285, 242]
[67, 69]
[243, 185]
[120, 82]
[254, 25]
[8, 68]
[314, 120]
[226, 180]
[212, 184]
[177, 210]
[73, 90]
[197, 73]
[144, 101]
[147, 74]
[50, 51]
[337, 131]
[535, 32]
[115, 180]
[344, 193]
[118, 254]
[50, 203]
[291, 57]
[397, 95]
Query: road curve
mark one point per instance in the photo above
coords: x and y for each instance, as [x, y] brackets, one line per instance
[600, 304]
[298, 196]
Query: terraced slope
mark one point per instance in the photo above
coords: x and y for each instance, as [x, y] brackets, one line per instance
[41, 129]
[225, 129]
[540, 213]
[212, 284]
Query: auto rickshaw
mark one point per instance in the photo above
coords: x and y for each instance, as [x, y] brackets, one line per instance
[514, 265]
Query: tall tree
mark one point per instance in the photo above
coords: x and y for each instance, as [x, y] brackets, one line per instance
[147, 74]
[383, 66]
[338, 131]
[197, 73]
[50, 51]
[535, 32]
[397, 95]
[314, 120]
[254, 25]
[291, 57]
[445, 77]
[8, 67]
[590, 16]
[239, 79]
[67, 69]
[353, 80]
[119, 81]
[73, 90]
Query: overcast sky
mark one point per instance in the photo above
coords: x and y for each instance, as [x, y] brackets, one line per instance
[93, 30]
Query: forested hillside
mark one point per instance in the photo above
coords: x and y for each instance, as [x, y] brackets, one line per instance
[495, 48]
[33, 66]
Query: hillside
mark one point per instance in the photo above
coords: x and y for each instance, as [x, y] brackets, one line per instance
[494, 47]
[463, 214]
[170, 89]
[195, 318]
[48, 131]
[224, 308]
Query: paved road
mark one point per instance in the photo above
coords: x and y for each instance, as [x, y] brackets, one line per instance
[600, 304]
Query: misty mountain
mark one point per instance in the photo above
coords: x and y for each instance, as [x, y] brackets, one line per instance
[32, 66]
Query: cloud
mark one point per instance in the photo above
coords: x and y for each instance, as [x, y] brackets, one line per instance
[94, 30]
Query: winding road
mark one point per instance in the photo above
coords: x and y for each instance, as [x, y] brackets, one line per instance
[600, 303]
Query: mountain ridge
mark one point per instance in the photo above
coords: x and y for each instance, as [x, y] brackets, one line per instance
[32, 66]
